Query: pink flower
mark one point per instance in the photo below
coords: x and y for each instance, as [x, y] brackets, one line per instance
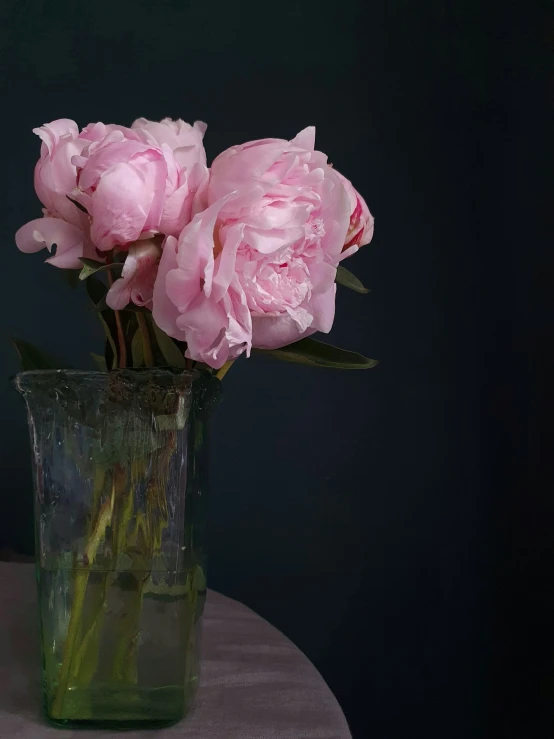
[360, 230]
[130, 182]
[136, 284]
[258, 267]
[132, 187]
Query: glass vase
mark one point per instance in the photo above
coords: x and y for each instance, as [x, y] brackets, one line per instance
[119, 462]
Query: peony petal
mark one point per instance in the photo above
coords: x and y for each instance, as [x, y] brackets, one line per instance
[201, 127]
[323, 277]
[47, 232]
[164, 311]
[349, 252]
[94, 131]
[136, 283]
[119, 294]
[51, 133]
[199, 179]
[305, 139]
[337, 206]
[177, 211]
[109, 153]
[153, 171]
[214, 333]
[279, 214]
[242, 167]
[184, 140]
[360, 231]
[182, 288]
[225, 263]
[29, 238]
[56, 178]
[196, 247]
[120, 207]
[272, 332]
[267, 242]
[204, 322]
[322, 306]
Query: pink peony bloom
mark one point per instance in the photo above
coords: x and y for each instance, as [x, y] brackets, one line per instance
[258, 267]
[360, 231]
[136, 284]
[132, 187]
[129, 181]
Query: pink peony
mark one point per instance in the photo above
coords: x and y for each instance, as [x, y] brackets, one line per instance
[258, 267]
[250, 250]
[360, 231]
[133, 183]
[132, 187]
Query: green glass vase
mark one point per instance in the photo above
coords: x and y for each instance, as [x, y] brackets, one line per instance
[120, 464]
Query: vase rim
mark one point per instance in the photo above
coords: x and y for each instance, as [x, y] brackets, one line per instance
[30, 379]
[123, 371]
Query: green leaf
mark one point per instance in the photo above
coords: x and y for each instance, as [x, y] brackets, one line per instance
[346, 278]
[137, 349]
[171, 352]
[33, 358]
[99, 361]
[97, 292]
[316, 353]
[91, 266]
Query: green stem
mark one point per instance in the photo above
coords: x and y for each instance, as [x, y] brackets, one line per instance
[81, 579]
[80, 587]
[125, 663]
[120, 334]
[220, 374]
[86, 655]
[147, 346]
[86, 658]
[120, 341]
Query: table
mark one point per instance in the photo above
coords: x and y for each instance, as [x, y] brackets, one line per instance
[255, 683]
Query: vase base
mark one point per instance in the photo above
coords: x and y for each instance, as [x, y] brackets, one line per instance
[113, 707]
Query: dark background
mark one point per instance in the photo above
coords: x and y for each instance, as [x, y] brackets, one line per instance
[397, 524]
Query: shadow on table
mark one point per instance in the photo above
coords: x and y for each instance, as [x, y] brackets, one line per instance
[20, 670]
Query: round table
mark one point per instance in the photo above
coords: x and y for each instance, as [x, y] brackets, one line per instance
[255, 683]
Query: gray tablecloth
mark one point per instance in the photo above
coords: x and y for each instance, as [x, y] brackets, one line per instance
[255, 683]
